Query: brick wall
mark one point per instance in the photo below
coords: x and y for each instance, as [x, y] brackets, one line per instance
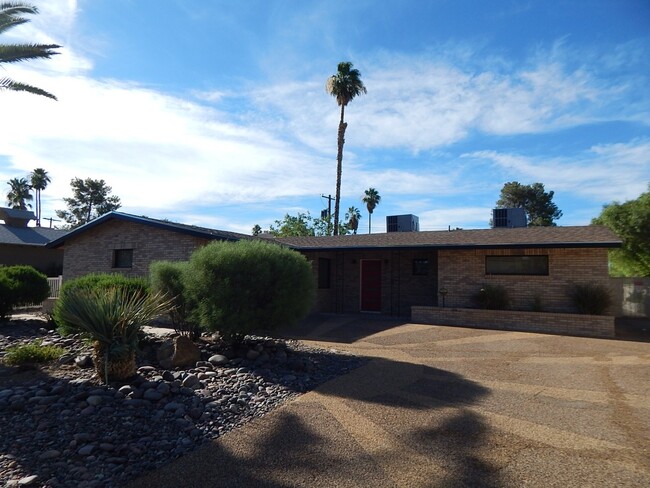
[92, 251]
[462, 273]
[400, 288]
[553, 323]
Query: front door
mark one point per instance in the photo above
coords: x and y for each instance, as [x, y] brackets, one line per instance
[371, 285]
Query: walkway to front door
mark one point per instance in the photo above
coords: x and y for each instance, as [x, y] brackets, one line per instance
[371, 285]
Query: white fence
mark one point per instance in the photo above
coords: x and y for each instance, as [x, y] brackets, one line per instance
[55, 286]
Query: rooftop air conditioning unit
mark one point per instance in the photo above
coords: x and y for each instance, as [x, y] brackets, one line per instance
[402, 223]
[508, 217]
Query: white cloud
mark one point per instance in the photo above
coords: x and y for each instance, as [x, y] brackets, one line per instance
[603, 173]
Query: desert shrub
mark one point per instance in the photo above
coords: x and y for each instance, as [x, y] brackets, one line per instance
[168, 278]
[96, 283]
[113, 319]
[492, 297]
[248, 285]
[591, 299]
[21, 285]
[34, 352]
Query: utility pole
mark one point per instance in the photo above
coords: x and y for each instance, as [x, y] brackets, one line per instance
[329, 213]
[51, 220]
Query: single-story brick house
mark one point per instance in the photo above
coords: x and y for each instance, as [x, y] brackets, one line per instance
[384, 273]
[123, 243]
[389, 273]
[21, 244]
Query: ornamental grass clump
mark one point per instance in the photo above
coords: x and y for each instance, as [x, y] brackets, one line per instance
[112, 319]
[591, 299]
[34, 352]
[492, 297]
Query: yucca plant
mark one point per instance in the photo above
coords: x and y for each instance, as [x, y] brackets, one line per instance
[112, 319]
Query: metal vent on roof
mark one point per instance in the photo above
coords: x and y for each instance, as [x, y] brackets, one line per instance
[508, 217]
[402, 223]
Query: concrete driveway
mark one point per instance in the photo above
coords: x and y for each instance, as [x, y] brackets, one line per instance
[442, 406]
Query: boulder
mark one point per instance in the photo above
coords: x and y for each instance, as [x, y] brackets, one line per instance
[186, 353]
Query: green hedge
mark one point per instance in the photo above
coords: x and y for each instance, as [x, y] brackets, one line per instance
[238, 288]
[168, 279]
[21, 285]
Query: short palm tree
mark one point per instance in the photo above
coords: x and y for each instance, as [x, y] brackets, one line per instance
[112, 319]
[371, 199]
[11, 16]
[39, 180]
[345, 85]
[353, 215]
[19, 194]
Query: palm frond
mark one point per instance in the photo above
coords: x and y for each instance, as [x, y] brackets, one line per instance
[14, 53]
[8, 84]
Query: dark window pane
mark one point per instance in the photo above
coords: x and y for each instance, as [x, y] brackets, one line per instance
[123, 258]
[420, 267]
[516, 265]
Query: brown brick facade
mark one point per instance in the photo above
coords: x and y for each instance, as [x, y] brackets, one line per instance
[400, 287]
[92, 251]
[462, 273]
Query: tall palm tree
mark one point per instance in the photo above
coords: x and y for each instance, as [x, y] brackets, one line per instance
[10, 16]
[19, 193]
[353, 215]
[345, 85]
[371, 199]
[39, 180]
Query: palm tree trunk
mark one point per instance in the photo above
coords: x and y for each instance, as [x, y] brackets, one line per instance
[339, 170]
[369, 222]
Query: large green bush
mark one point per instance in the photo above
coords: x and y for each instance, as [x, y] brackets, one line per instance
[168, 279]
[96, 283]
[241, 287]
[21, 285]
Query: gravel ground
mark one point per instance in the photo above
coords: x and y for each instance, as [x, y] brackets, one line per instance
[62, 427]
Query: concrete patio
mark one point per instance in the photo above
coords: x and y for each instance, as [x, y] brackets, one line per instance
[444, 406]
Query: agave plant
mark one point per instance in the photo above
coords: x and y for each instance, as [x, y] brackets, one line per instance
[113, 319]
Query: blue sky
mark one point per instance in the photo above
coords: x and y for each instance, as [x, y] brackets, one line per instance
[214, 113]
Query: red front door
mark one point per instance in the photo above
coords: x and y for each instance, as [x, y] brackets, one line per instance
[370, 285]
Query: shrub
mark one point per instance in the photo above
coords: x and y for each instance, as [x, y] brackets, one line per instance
[591, 299]
[34, 352]
[113, 319]
[168, 278]
[492, 297]
[96, 283]
[248, 285]
[21, 285]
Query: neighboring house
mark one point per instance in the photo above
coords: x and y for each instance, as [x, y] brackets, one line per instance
[389, 273]
[20, 244]
[122, 243]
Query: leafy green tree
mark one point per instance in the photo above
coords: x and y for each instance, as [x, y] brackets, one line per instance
[91, 199]
[246, 286]
[371, 198]
[19, 194]
[631, 222]
[257, 230]
[11, 15]
[39, 180]
[345, 85]
[293, 226]
[537, 203]
[353, 216]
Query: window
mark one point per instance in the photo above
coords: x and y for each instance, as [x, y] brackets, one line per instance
[323, 273]
[420, 267]
[516, 265]
[123, 258]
